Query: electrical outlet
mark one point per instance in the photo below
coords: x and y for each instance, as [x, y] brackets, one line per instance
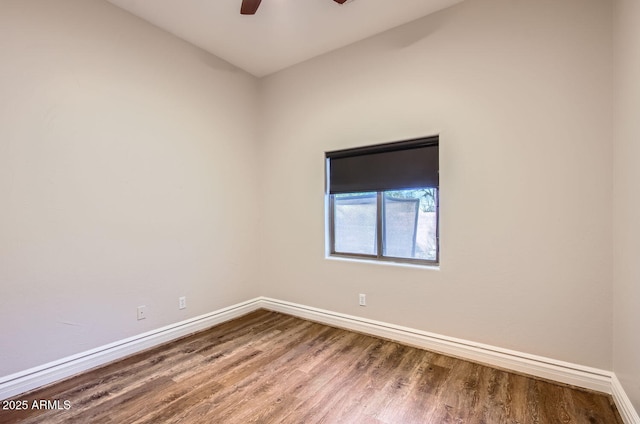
[142, 312]
[182, 302]
[362, 299]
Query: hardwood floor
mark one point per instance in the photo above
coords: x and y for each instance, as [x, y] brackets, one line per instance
[267, 367]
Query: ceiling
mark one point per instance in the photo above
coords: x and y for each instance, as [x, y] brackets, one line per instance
[282, 32]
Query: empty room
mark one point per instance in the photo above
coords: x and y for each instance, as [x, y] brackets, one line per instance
[320, 211]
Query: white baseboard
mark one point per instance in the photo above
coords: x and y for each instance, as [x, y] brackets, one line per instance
[577, 375]
[51, 372]
[551, 369]
[625, 407]
[538, 366]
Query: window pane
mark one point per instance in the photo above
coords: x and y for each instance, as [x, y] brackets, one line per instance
[355, 223]
[410, 224]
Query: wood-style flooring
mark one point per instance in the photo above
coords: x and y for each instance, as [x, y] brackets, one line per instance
[267, 367]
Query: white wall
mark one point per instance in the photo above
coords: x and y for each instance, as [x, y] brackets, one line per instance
[626, 307]
[520, 93]
[127, 177]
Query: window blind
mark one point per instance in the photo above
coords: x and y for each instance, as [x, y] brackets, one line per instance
[391, 166]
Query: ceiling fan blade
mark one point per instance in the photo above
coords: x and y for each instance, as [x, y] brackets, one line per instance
[249, 7]
[340, 1]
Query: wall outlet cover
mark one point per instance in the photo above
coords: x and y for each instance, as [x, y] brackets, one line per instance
[142, 312]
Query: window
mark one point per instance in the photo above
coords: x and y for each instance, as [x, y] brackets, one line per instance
[383, 201]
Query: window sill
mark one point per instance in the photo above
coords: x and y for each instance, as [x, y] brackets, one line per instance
[390, 262]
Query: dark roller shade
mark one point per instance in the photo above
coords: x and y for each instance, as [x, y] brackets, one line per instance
[392, 166]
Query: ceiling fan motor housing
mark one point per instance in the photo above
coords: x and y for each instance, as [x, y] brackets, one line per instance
[249, 7]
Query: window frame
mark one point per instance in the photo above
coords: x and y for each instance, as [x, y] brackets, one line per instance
[379, 256]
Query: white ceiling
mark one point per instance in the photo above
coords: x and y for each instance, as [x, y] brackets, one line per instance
[282, 32]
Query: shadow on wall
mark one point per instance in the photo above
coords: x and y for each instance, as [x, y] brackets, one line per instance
[415, 32]
[214, 62]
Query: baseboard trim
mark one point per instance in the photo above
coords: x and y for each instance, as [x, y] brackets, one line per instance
[538, 366]
[33, 378]
[623, 403]
[577, 375]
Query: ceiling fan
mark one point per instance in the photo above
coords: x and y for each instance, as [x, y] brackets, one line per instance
[249, 7]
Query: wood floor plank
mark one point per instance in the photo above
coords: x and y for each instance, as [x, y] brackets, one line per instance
[267, 367]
